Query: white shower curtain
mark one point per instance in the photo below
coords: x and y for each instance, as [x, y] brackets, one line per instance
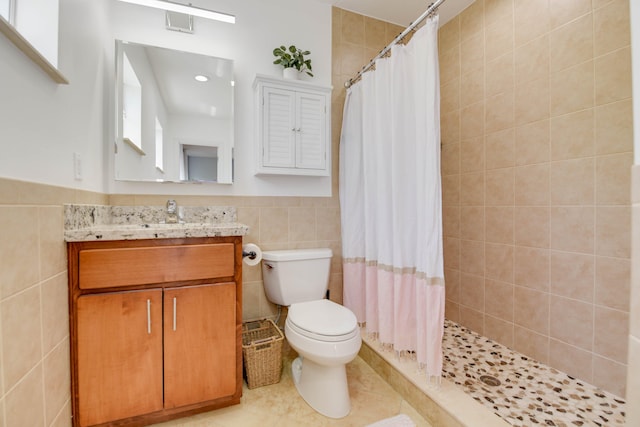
[390, 197]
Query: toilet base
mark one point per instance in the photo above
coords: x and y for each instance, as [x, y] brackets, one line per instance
[324, 388]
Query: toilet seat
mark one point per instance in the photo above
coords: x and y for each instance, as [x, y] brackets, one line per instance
[323, 320]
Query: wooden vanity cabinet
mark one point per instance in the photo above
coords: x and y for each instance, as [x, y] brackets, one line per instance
[155, 328]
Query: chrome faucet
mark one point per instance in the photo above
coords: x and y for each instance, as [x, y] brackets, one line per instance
[172, 212]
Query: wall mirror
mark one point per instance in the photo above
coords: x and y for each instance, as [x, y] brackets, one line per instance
[174, 115]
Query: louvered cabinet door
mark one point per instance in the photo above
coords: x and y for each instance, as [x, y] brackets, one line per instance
[279, 138]
[310, 130]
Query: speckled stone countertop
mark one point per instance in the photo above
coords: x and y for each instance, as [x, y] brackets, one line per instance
[85, 223]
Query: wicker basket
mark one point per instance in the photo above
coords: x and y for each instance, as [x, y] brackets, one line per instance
[262, 352]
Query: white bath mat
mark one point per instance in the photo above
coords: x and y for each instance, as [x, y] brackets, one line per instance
[401, 420]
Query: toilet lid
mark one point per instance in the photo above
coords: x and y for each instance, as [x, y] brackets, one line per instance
[323, 317]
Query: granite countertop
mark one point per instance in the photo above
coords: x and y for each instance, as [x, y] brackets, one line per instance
[84, 223]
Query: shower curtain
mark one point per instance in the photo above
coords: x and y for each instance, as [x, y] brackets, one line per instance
[391, 201]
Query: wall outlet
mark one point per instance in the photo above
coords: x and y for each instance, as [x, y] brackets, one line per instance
[77, 166]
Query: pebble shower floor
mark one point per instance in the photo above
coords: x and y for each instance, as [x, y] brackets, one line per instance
[530, 393]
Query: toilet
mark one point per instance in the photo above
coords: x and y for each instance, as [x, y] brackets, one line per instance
[325, 334]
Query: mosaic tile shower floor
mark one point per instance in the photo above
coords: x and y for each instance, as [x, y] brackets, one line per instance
[530, 394]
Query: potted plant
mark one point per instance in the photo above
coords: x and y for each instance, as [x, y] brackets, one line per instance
[292, 61]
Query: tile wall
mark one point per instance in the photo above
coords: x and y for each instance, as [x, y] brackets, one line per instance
[536, 160]
[34, 326]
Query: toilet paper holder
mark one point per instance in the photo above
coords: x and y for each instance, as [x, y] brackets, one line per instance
[250, 254]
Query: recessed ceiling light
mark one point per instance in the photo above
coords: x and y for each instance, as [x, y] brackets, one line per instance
[187, 9]
[201, 78]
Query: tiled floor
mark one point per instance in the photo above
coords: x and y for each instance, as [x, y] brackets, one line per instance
[530, 393]
[372, 399]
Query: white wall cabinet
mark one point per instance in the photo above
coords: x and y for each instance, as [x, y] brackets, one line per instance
[293, 127]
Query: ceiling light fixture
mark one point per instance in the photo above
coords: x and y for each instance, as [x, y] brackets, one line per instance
[201, 78]
[187, 9]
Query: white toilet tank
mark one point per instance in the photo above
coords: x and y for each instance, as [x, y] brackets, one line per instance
[293, 276]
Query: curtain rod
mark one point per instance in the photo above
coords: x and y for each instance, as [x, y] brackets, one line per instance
[432, 7]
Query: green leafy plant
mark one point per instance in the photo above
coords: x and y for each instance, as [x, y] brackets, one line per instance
[293, 58]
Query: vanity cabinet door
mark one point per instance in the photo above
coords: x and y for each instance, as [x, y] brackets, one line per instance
[199, 343]
[119, 351]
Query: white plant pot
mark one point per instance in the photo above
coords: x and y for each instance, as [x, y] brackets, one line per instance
[290, 73]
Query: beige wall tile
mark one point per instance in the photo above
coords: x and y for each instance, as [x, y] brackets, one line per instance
[64, 417]
[532, 185]
[531, 343]
[250, 217]
[531, 309]
[274, 225]
[452, 311]
[449, 34]
[500, 149]
[532, 268]
[612, 282]
[352, 27]
[471, 54]
[533, 143]
[499, 299]
[18, 249]
[472, 155]
[613, 179]
[572, 360]
[352, 58]
[450, 126]
[499, 76]
[24, 405]
[472, 291]
[374, 33]
[21, 335]
[499, 187]
[610, 375]
[451, 252]
[572, 182]
[571, 44]
[611, 25]
[452, 280]
[613, 237]
[564, 11]
[611, 333]
[572, 229]
[613, 76]
[614, 127]
[531, 20]
[472, 87]
[450, 154]
[572, 275]
[449, 61]
[497, 10]
[572, 89]
[498, 38]
[499, 330]
[472, 319]
[472, 257]
[499, 224]
[572, 135]
[499, 112]
[328, 223]
[499, 262]
[531, 61]
[302, 224]
[531, 226]
[57, 383]
[451, 221]
[472, 222]
[55, 311]
[471, 20]
[633, 379]
[450, 96]
[53, 255]
[9, 192]
[472, 121]
[451, 190]
[532, 101]
[472, 189]
[571, 322]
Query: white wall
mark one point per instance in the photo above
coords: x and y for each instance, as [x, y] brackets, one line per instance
[260, 26]
[42, 124]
